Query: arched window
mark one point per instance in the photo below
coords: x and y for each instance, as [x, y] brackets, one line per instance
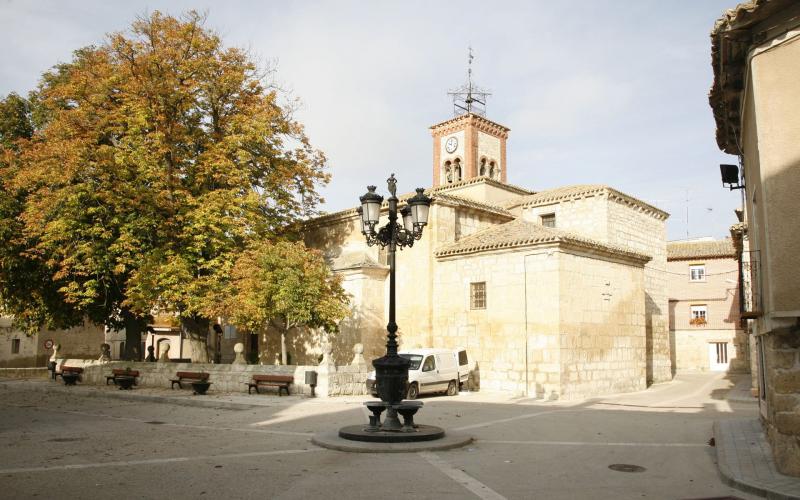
[448, 172]
[491, 169]
[483, 167]
[457, 170]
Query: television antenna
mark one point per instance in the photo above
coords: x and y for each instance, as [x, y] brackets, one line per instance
[469, 98]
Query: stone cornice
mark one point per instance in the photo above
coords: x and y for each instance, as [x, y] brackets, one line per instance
[734, 35]
[479, 122]
[582, 191]
[485, 180]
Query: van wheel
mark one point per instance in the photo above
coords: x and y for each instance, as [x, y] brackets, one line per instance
[452, 388]
[413, 391]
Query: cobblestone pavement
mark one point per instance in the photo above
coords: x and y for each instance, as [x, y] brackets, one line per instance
[89, 443]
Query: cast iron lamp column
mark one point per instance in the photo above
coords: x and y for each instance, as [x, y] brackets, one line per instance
[391, 371]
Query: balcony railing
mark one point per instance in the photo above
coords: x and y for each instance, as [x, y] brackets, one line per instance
[751, 304]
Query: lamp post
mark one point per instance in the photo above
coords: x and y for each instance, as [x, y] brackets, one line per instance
[391, 371]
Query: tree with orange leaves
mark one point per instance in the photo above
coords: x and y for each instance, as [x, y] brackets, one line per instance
[153, 161]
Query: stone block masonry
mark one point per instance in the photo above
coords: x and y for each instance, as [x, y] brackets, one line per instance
[335, 381]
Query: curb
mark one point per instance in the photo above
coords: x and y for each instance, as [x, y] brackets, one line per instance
[729, 478]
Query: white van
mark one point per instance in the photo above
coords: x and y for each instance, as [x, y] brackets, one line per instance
[431, 370]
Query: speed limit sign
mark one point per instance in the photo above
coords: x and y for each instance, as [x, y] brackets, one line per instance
[48, 344]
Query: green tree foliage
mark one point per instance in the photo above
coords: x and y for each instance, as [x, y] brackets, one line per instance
[285, 285]
[149, 163]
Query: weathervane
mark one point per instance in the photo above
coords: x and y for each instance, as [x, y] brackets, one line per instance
[469, 98]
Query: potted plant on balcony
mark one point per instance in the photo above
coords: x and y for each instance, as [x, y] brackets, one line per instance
[699, 321]
[201, 386]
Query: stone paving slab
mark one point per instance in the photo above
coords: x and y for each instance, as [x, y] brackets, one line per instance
[745, 460]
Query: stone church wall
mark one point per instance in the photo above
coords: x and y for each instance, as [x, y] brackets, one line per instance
[644, 232]
[585, 216]
[602, 326]
[493, 336]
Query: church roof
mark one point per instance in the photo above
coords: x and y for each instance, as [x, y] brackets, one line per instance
[685, 250]
[556, 195]
[437, 193]
[519, 233]
[465, 202]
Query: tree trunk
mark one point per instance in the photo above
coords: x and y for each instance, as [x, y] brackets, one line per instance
[283, 347]
[196, 331]
[134, 326]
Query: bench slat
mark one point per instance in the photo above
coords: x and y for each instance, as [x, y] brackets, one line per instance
[274, 378]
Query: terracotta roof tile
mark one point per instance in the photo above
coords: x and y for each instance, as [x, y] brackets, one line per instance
[579, 191]
[683, 250]
[520, 233]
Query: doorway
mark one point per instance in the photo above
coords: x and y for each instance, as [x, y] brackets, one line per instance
[718, 356]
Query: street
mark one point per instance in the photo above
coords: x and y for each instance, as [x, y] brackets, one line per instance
[57, 443]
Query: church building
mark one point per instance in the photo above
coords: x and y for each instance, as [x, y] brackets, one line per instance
[556, 294]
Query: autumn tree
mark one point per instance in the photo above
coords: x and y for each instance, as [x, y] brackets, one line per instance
[160, 157]
[285, 285]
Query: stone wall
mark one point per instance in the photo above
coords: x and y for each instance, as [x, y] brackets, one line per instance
[24, 373]
[586, 216]
[602, 326]
[782, 420]
[27, 346]
[331, 381]
[643, 231]
[691, 349]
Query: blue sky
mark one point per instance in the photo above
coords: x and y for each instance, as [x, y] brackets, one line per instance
[611, 92]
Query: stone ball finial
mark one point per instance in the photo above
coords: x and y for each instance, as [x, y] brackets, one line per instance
[358, 355]
[327, 348]
[238, 349]
[163, 352]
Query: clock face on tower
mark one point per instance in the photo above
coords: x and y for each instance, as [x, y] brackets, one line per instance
[451, 144]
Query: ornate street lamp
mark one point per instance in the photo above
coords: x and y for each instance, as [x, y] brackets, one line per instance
[391, 371]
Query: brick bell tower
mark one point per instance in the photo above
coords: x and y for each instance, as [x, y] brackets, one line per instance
[469, 145]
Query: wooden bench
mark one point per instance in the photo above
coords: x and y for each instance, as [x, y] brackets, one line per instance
[280, 381]
[118, 372]
[181, 377]
[69, 370]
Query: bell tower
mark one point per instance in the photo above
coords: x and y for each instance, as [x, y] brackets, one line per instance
[468, 145]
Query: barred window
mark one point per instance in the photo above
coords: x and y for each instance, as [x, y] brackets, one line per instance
[549, 220]
[477, 295]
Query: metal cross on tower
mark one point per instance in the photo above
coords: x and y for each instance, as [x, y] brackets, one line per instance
[469, 98]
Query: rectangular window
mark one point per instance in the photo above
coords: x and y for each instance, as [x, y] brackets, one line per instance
[15, 346]
[698, 315]
[549, 220]
[477, 295]
[229, 331]
[697, 272]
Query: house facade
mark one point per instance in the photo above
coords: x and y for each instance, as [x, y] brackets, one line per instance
[755, 98]
[704, 320]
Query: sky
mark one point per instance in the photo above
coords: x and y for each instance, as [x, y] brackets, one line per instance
[609, 92]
